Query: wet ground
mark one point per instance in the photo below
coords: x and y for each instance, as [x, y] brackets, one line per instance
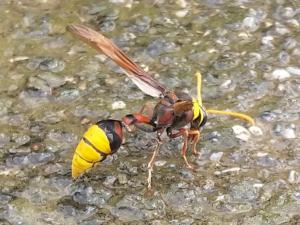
[53, 86]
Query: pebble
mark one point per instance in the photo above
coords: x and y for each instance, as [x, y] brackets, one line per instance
[267, 161]
[107, 26]
[4, 199]
[160, 163]
[182, 3]
[122, 178]
[267, 40]
[161, 46]
[250, 23]
[256, 131]
[18, 59]
[268, 116]
[187, 174]
[245, 191]
[19, 150]
[288, 133]
[4, 139]
[46, 64]
[289, 43]
[293, 70]
[226, 84]
[280, 74]
[294, 177]
[31, 159]
[21, 139]
[128, 210]
[39, 84]
[284, 58]
[241, 132]
[230, 170]
[52, 80]
[216, 157]
[181, 13]
[109, 180]
[287, 12]
[118, 105]
[87, 195]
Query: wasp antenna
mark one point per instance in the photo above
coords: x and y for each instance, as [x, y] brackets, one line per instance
[199, 86]
[233, 114]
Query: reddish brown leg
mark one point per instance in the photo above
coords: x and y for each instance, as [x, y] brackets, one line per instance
[151, 162]
[195, 136]
[185, 134]
[139, 119]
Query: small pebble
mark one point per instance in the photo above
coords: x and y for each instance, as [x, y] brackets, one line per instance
[241, 132]
[280, 74]
[293, 70]
[289, 133]
[18, 59]
[230, 170]
[267, 40]
[250, 24]
[216, 156]
[261, 154]
[226, 84]
[22, 139]
[109, 180]
[122, 178]
[160, 163]
[4, 139]
[294, 177]
[182, 3]
[256, 131]
[118, 105]
[181, 13]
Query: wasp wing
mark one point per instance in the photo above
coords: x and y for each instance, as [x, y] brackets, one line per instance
[95, 39]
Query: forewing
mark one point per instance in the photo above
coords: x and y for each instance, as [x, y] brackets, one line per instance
[95, 39]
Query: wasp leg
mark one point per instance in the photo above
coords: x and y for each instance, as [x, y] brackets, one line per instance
[140, 120]
[195, 136]
[185, 134]
[135, 119]
[140, 117]
[151, 162]
[144, 124]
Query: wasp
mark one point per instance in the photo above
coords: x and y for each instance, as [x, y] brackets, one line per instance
[176, 113]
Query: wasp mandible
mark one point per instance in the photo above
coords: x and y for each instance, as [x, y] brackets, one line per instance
[176, 113]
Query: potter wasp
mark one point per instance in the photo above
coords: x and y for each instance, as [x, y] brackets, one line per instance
[176, 113]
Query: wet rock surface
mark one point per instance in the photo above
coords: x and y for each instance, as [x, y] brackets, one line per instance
[53, 87]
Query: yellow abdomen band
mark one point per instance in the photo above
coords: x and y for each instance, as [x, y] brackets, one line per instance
[97, 137]
[91, 149]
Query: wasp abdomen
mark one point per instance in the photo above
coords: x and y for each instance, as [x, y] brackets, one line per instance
[102, 139]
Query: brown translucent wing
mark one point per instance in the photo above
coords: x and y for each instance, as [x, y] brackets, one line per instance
[95, 39]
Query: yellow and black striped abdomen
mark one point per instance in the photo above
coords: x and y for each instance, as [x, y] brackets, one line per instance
[100, 140]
